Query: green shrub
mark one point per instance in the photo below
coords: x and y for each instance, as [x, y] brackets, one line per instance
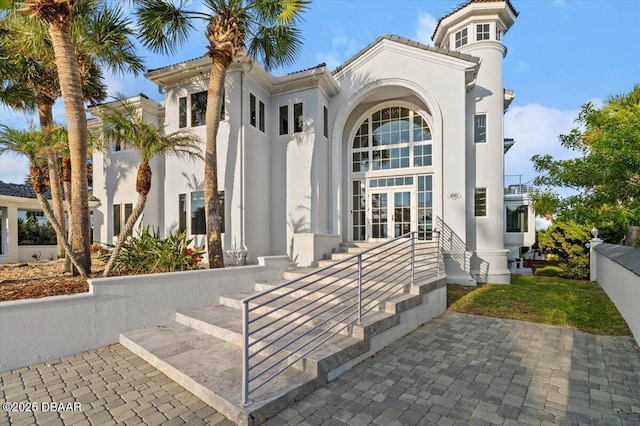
[147, 253]
[548, 271]
[568, 241]
[31, 233]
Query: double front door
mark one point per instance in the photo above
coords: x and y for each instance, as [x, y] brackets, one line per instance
[390, 213]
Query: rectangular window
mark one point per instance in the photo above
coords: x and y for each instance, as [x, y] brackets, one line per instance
[261, 116]
[252, 109]
[325, 123]
[498, 34]
[198, 219]
[517, 218]
[117, 217]
[128, 209]
[480, 128]
[182, 212]
[482, 32]
[461, 38]
[480, 202]
[199, 108]
[182, 115]
[297, 118]
[284, 120]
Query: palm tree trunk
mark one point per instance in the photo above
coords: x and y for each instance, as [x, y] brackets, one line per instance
[212, 205]
[45, 112]
[48, 211]
[71, 89]
[125, 233]
[66, 184]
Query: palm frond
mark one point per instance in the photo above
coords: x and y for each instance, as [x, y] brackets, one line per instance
[275, 46]
[163, 26]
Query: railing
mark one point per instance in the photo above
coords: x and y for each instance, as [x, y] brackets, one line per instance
[284, 324]
[513, 184]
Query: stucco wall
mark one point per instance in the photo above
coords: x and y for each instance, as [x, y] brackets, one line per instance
[38, 330]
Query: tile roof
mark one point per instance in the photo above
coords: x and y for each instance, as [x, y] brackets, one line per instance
[177, 63]
[25, 191]
[412, 43]
[467, 3]
[308, 69]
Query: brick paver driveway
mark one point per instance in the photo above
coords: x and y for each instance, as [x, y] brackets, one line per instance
[456, 370]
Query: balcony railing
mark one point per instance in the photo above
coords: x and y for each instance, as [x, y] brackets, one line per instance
[515, 184]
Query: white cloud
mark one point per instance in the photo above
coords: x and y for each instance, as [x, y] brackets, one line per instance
[13, 168]
[424, 28]
[342, 48]
[535, 129]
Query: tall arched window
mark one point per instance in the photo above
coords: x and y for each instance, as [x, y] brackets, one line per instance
[391, 138]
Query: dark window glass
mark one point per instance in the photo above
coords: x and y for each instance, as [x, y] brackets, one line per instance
[252, 109]
[517, 218]
[199, 108]
[117, 217]
[325, 129]
[284, 120]
[261, 112]
[482, 32]
[461, 38]
[223, 106]
[182, 212]
[198, 220]
[128, 209]
[182, 115]
[480, 128]
[480, 202]
[297, 118]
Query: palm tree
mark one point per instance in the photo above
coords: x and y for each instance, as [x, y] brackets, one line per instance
[82, 33]
[266, 28]
[32, 143]
[124, 122]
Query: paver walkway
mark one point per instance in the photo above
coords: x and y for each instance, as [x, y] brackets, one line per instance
[457, 370]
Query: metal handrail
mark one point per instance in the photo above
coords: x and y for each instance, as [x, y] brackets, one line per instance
[268, 342]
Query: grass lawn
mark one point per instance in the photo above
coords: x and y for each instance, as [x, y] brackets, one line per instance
[547, 300]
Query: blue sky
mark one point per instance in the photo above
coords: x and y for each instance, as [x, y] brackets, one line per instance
[561, 54]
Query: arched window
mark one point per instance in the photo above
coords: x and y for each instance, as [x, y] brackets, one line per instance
[391, 138]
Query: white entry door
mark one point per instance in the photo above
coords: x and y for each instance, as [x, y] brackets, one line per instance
[389, 214]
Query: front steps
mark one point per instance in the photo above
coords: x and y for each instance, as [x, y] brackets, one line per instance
[202, 349]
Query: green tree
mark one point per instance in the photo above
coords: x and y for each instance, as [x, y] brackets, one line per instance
[30, 144]
[109, 43]
[268, 29]
[568, 241]
[606, 173]
[124, 122]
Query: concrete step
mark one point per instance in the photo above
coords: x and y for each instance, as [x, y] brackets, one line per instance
[210, 369]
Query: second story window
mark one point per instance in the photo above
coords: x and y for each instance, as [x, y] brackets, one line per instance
[261, 116]
[252, 109]
[480, 128]
[284, 120]
[298, 118]
[461, 38]
[482, 32]
[325, 122]
[198, 109]
[182, 115]
[480, 202]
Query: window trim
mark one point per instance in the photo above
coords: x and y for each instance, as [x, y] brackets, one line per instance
[463, 40]
[480, 31]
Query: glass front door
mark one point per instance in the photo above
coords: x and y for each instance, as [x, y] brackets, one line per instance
[390, 214]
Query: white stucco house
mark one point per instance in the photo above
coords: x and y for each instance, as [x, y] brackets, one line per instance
[399, 138]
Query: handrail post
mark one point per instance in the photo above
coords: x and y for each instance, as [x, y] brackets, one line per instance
[245, 353]
[413, 257]
[360, 288]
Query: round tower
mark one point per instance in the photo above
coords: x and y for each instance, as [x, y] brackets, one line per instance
[477, 28]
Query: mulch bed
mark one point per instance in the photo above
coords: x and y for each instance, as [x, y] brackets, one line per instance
[39, 279]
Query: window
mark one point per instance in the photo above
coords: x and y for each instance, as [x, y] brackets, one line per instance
[498, 34]
[252, 109]
[480, 202]
[482, 32]
[128, 209]
[182, 212]
[461, 38]
[425, 207]
[325, 122]
[117, 215]
[517, 218]
[284, 120]
[198, 108]
[261, 117]
[182, 116]
[298, 119]
[392, 138]
[480, 128]
[223, 106]
[358, 214]
[198, 219]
